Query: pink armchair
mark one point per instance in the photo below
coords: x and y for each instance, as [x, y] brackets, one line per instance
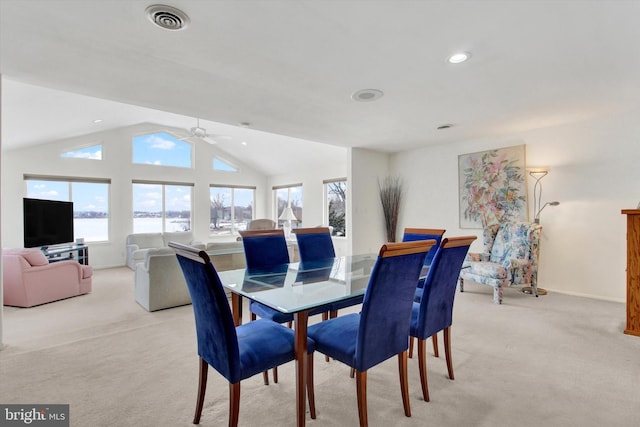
[29, 279]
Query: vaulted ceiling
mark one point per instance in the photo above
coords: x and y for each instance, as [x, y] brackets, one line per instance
[289, 67]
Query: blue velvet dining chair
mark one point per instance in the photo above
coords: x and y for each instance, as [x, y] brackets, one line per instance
[238, 352]
[413, 234]
[316, 244]
[434, 312]
[265, 250]
[381, 330]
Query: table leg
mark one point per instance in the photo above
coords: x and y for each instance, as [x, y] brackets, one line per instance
[236, 308]
[300, 328]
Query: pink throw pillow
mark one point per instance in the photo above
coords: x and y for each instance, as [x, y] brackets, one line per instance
[35, 257]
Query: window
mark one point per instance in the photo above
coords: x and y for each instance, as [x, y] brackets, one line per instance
[160, 207]
[231, 208]
[221, 165]
[93, 153]
[288, 195]
[161, 149]
[90, 199]
[336, 198]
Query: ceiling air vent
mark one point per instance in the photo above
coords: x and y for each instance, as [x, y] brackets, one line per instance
[167, 17]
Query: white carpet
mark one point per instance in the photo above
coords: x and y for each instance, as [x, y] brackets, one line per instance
[555, 361]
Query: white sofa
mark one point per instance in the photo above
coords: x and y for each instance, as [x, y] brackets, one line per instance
[159, 282]
[139, 244]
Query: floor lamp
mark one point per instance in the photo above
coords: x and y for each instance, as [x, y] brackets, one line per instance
[538, 174]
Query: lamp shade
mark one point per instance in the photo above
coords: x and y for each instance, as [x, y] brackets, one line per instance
[287, 214]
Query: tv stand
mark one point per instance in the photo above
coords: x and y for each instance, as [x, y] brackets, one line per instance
[79, 253]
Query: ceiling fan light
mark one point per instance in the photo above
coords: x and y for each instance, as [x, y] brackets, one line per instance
[199, 132]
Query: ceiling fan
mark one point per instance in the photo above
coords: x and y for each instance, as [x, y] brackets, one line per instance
[199, 133]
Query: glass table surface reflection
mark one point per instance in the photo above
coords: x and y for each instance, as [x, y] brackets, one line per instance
[294, 287]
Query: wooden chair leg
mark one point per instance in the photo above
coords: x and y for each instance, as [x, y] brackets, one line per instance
[422, 367]
[311, 396]
[333, 314]
[404, 382]
[202, 388]
[361, 391]
[447, 350]
[352, 374]
[265, 374]
[325, 316]
[411, 347]
[234, 404]
[434, 339]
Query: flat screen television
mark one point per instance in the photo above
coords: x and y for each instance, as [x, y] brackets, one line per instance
[47, 222]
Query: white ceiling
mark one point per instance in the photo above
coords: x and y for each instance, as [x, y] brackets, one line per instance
[289, 68]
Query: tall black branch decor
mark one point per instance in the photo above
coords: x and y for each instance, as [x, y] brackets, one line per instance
[390, 196]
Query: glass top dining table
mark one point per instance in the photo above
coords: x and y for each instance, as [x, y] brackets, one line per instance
[298, 288]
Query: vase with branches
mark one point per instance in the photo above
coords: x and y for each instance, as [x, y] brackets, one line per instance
[390, 196]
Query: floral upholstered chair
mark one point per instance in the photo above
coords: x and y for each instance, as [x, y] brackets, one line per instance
[510, 257]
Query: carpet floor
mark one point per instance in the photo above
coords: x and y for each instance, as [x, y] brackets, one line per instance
[557, 360]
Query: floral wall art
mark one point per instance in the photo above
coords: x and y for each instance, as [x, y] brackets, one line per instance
[492, 187]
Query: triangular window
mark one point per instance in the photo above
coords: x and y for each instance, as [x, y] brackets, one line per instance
[93, 153]
[221, 165]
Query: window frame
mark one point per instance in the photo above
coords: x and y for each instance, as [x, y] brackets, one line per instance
[276, 208]
[84, 147]
[167, 132]
[232, 206]
[70, 180]
[163, 185]
[327, 203]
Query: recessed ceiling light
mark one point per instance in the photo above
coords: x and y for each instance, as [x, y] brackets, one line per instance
[367, 95]
[446, 126]
[459, 57]
[97, 121]
[244, 143]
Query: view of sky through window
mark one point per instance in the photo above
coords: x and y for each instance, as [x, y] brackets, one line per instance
[161, 207]
[161, 149]
[92, 153]
[221, 165]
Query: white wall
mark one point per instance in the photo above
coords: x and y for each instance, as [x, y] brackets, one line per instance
[594, 174]
[116, 164]
[366, 221]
